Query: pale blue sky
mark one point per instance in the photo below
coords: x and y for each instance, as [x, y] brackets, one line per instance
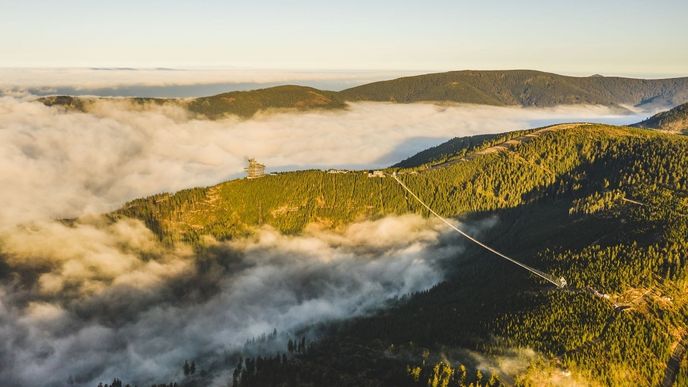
[639, 38]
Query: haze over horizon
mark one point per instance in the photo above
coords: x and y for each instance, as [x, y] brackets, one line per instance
[576, 39]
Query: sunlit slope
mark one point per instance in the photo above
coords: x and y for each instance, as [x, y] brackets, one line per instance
[522, 87]
[247, 103]
[674, 120]
[504, 172]
[605, 207]
[235, 103]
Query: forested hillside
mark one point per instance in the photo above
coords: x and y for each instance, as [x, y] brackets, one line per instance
[674, 120]
[247, 103]
[605, 207]
[237, 103]
[524, 88]
[487, 178]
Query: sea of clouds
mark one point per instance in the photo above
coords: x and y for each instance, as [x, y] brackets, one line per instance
[65, 164]
[91, 303]
[92, 300]
[173, 82]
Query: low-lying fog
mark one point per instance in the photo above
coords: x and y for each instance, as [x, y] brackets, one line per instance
[59, 164]
[90, 303]
[93, 301]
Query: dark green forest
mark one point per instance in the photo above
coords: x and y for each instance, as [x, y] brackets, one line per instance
[605, 207]
[521, 87]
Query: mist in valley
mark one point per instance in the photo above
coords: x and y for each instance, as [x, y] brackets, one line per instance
[89, 300]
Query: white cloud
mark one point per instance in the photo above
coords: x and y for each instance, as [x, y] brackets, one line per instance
[124, 320]
[97, 300]
[57, 164]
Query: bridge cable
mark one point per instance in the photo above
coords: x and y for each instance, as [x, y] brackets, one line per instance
[558, 282]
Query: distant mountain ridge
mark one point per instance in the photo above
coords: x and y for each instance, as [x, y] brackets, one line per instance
[523, 87]
[247, 103]
[496, 88]
[674, 120]
[239, 103]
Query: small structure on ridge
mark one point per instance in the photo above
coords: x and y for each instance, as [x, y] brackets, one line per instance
[254, 169]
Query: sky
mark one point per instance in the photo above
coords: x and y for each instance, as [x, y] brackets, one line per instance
[631, 38]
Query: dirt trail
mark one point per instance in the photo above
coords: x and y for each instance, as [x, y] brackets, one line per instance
[509, 144]
[651, 206]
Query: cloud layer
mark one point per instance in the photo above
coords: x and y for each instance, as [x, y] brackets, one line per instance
[58, 164]
[89, 300]
[118, 304]
[151, 82]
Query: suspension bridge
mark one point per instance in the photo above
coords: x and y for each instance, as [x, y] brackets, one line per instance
[559, 282]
